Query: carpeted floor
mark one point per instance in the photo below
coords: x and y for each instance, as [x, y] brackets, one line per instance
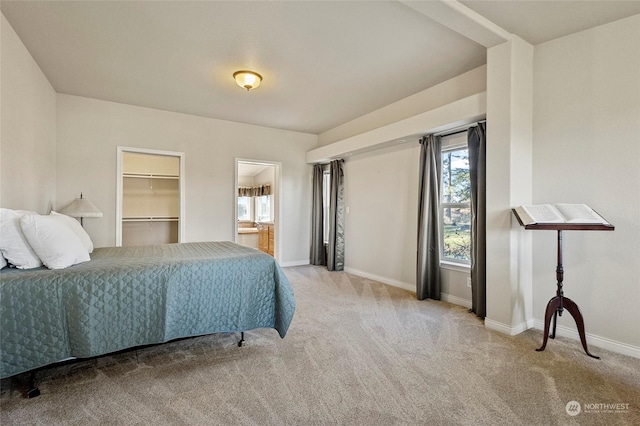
[357, 353]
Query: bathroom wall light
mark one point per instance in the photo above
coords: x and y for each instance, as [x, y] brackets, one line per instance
[247, 79]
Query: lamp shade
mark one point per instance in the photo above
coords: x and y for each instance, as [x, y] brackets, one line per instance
[81, 207]
[247, 79]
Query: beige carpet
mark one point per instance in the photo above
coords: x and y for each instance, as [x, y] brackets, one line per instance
[357, 353]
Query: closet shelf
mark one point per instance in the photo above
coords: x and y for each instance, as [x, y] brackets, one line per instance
[149, 176]
[150, 219]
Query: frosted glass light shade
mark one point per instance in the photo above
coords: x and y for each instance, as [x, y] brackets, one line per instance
[247, 79]
[81, 207]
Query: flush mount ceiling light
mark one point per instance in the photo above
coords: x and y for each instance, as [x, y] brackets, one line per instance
[247, 79]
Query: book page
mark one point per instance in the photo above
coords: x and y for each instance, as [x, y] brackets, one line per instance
[543, 213]
[524, 216]
[579, 213]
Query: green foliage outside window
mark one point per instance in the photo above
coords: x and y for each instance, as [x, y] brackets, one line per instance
[457, 233]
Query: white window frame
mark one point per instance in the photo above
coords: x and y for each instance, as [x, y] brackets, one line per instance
[452, 143]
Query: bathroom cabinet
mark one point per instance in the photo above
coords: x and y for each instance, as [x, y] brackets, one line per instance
[266, 238]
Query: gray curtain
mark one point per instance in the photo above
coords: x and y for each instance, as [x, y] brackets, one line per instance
[318, 253]
[335, 249]
[428, 272]
[476, 140]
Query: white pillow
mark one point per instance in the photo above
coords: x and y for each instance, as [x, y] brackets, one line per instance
[85, 239]
[13, 244]
[54, 241]
[3, 261]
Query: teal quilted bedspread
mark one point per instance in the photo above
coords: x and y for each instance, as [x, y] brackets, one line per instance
[131, 296]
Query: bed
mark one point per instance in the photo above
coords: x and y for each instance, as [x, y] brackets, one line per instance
[132, 296]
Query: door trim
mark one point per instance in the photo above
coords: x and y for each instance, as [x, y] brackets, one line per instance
[277, 225]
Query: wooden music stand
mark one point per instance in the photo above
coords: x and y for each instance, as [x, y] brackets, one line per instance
[558, 303]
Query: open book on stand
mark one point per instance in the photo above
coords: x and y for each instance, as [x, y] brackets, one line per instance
[559, 213]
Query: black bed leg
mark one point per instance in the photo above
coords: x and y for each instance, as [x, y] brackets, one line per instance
[241, 342]
[33, 390]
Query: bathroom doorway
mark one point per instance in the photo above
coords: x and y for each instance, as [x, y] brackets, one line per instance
[257, 205]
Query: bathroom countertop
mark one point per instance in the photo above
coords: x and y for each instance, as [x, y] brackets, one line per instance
[247, 230]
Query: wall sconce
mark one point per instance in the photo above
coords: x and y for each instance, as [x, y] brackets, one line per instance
[247, 79]
[81, 207]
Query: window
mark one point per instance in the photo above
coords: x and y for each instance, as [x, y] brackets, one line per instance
[326, 190]
[244, 208]
[263, 208]
[455, 207]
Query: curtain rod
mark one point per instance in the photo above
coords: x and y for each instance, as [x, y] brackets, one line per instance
[459, 129]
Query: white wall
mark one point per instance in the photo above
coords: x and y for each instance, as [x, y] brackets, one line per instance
[509, 184]
[381, 192]
[586, 150]
[89, 131]
[382, 195]
[245, 181]
[267, 176]
[28, 128]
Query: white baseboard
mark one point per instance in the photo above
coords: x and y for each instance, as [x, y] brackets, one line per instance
[511, 330]
[294, 263]
[455, 300]
[384, 280]
[563, 331]
[593, 340]
[407, 286]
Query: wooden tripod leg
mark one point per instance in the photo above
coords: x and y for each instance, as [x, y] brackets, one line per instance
[552, 309]
[555, 323]
[577, 316]
[33, 390]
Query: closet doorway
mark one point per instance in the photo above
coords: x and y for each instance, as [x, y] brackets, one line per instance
[150, 197]
[257, 222]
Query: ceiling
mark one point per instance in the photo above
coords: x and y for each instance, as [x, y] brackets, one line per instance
[251, 169]
[539, 21]
[324, 63]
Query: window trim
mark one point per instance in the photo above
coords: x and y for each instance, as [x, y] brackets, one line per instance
[455, 266]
